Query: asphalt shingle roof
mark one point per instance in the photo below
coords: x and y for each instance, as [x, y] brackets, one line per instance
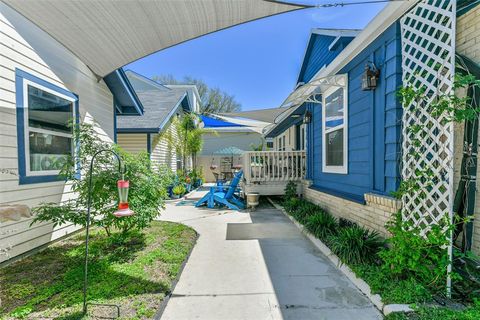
[157, 104]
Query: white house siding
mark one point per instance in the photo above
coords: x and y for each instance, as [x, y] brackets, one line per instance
[290, 139]
[24, 46]
[163, 152]
[468, 44]
[132, 142]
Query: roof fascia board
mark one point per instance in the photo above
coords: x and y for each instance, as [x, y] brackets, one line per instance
[172, 112]
[336, 32]
[137, 130]
[131, 92]
[308, 48]
[143, 78]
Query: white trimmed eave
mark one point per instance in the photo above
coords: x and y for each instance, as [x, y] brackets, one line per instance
[391, 13]
[307, 93]
[109, 34]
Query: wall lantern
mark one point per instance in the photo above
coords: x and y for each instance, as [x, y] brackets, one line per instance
[307, 117]
[370, 76]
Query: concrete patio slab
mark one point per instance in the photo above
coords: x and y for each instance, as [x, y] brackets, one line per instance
[258, 265]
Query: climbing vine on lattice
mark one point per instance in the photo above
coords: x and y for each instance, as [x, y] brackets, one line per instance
[428, 64]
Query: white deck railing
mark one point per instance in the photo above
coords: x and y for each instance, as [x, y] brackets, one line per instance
[274, 166]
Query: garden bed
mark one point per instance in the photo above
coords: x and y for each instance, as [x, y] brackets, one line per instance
[135, 273]
[357, 252]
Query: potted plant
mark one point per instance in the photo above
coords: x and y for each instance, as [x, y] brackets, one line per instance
[170, 190]
[188, 183]
[178, 191]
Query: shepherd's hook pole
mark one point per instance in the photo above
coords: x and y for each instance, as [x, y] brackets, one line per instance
[89, 202]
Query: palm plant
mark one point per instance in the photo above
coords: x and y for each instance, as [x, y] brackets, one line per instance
[186, 136]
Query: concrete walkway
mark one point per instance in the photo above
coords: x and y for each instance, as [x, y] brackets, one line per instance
[257, 266]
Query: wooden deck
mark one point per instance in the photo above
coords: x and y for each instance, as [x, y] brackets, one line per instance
[268, 172]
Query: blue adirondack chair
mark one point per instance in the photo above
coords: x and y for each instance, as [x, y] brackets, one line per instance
[224, 195]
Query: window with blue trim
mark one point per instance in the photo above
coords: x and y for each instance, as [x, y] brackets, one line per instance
[45, 136]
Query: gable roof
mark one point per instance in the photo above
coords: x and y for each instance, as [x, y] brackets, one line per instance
[389, 15]
[322, 47]
[264, 115]
[141, 82]
[126, 100]
[159, 102]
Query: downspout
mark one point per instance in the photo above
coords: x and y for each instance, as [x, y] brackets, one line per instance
[464, 203]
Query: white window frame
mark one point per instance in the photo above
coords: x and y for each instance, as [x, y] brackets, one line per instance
[335, 169]
[29, 129]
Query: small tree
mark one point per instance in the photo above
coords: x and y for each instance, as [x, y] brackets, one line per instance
[146, 194]
[187, 137]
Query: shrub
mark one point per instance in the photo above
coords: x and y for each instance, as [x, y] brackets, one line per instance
[410, 255]
[146, 193]
[167, 174]
[392, 290]
[291, 205]
[355, 245]
[322, 225]
[290, 191]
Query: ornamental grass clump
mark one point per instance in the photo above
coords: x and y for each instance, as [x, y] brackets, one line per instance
[356, 245]
[304, 210]
[322, 225]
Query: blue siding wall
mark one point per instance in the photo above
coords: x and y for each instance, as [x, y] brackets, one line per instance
[374, 120]
[318, 54]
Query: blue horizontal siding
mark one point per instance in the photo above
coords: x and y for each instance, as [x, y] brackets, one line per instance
[374, 124]
[319, 55]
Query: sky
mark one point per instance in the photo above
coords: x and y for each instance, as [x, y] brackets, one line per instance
[257, 62]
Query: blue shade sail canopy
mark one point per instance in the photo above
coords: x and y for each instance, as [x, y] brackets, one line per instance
[210, 122]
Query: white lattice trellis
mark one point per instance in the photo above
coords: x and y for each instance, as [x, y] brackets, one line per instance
[428, 62]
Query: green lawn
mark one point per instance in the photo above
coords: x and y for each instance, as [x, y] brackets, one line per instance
[135, 274]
